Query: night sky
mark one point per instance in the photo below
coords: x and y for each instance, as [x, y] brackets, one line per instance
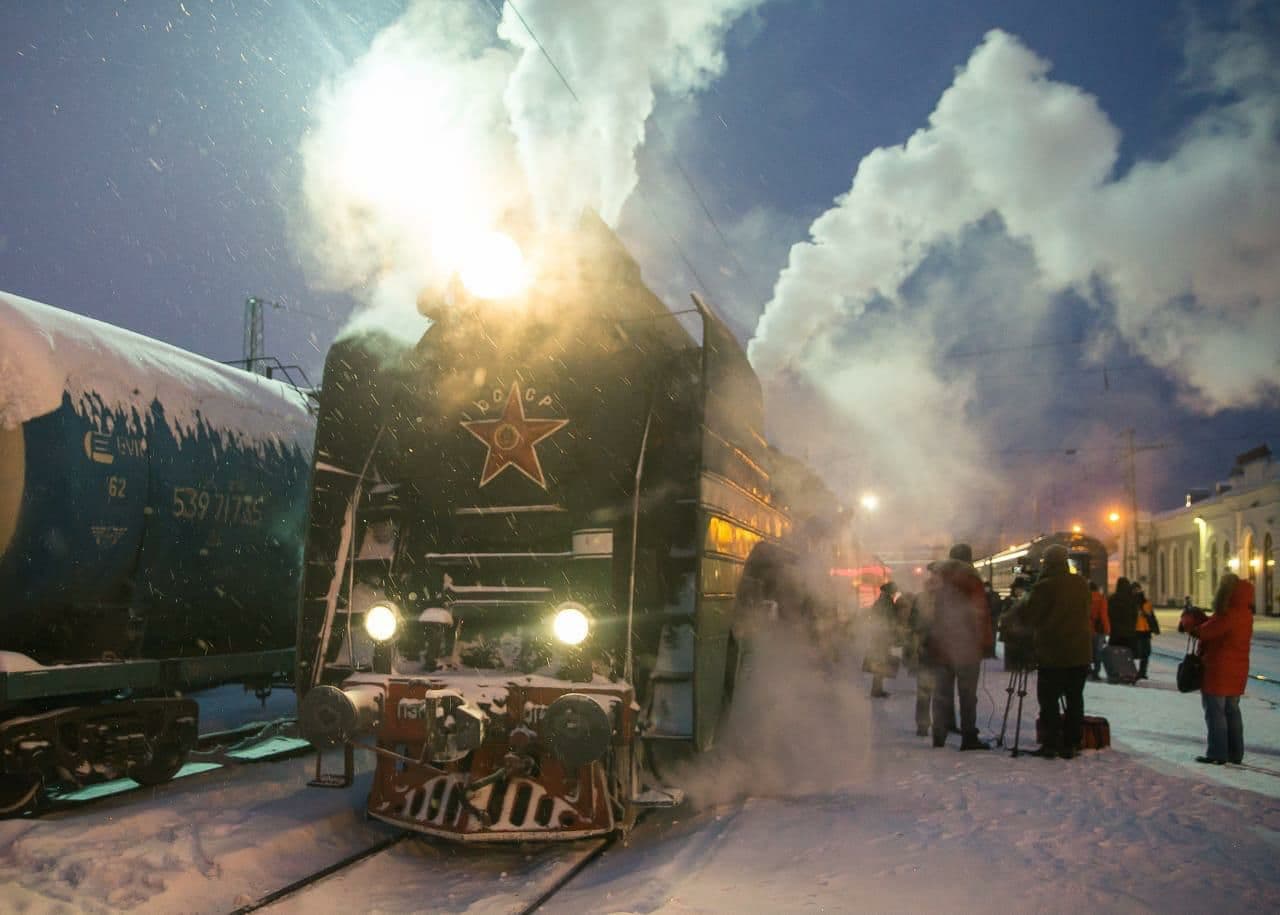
[152, 167]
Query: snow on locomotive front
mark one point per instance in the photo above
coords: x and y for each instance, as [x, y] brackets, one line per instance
[521, 555]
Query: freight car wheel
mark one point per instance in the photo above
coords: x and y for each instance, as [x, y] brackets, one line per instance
[18, 793]
[166, 760]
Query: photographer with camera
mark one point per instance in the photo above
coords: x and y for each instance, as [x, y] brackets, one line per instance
[1058, 614]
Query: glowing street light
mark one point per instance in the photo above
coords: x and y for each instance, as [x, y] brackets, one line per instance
[1076, 529]
[1114, 517]
[870, 501]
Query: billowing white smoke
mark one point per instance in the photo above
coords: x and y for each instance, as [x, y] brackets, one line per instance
[409, 158]
[616, 57]
[441, 132]
[1185, 253]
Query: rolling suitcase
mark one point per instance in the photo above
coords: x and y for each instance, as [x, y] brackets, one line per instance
[1118, 662]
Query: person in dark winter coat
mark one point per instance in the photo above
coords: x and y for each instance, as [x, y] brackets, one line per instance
[1225, 639]
[959, 638]
[883, 621]
[919, 621]
[1058, 613]
[993, 613]
[1123, 613]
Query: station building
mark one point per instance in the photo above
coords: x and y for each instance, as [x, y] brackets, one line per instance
[1233, 527]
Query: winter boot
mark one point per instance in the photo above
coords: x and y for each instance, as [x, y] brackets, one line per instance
[971, 741]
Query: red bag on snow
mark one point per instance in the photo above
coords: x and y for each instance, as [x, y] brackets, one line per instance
[1095, 733]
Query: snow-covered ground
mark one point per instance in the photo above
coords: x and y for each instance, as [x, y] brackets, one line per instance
[877, 821]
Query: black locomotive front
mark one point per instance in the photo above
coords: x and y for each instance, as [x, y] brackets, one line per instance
[503, 521]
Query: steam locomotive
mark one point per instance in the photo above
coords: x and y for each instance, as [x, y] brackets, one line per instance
[533, 536]
[151, 517]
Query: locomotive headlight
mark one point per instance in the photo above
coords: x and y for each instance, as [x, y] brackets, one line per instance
[381, 621]
[571, 624]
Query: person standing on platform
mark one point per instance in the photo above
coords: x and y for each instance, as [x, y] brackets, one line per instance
[1058, 613]
[1101, 624]
[883, 626]
[919, 622]
[1145, 626]
[1123, 614]
[958, 640]
[1225, 639]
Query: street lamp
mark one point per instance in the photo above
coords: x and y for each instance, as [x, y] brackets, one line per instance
[1114, 517]
[870, 501]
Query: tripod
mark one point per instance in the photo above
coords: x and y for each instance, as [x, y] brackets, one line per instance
[1017, 683]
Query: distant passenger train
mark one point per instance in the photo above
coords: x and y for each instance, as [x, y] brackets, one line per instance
[152, 506]
[1086, 555]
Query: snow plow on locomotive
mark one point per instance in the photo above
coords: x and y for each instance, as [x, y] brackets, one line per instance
[151, 517]
[526, 553]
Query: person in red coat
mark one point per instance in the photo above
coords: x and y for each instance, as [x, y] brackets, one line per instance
[1224, 644]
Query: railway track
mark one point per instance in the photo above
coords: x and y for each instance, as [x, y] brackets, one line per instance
[524, 883]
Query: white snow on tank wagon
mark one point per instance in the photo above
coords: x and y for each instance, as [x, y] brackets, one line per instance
[46, 352]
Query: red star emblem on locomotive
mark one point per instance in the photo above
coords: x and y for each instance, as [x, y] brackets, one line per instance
[511, 439]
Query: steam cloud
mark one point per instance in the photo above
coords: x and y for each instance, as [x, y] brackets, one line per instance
[814, 737]
[1018, 171]
[441, 132]
[615, 56]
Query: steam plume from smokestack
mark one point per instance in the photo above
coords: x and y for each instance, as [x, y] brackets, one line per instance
[614, 57]
[441, 134]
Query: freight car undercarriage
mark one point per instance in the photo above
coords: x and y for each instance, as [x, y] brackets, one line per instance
[80, 724]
